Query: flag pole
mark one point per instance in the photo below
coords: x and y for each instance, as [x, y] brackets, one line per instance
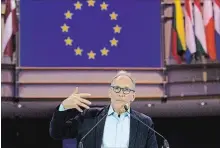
[17, 51]
[162, 34]
[163, 55]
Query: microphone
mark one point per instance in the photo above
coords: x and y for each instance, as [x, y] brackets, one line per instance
[165, 142]
[81, 141]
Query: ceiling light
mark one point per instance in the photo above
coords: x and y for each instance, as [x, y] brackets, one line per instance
[203, 103]
[150, 105]
[19, 106]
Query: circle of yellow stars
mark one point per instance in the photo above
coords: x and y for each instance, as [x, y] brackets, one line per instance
[103, 7]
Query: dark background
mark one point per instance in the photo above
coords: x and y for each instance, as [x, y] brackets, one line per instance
[190, 132]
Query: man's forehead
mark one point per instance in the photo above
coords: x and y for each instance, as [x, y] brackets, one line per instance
[123, 80]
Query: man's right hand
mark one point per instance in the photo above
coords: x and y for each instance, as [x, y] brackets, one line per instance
[76, 100]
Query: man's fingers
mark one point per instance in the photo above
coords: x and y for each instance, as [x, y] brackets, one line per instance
[83, 105]
[76, 90]
[78, 108]
[84, 95]
[79, 103]
[85, 101]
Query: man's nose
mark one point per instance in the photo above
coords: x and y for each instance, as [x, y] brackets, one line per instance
[121, 94]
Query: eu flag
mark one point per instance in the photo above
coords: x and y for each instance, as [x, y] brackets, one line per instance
[93, 33]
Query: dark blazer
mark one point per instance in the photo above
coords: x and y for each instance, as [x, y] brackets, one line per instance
[73, 124]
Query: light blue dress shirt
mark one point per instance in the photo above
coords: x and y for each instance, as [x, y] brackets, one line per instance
[61, 108]
[116, 130]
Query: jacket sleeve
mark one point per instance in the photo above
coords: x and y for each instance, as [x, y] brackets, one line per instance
[65, 124]
[151, 138]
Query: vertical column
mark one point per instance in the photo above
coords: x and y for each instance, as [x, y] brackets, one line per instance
[162, 37]
[162, 45]
[17, 55]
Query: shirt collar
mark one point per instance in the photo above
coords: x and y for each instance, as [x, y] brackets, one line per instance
[111, 111]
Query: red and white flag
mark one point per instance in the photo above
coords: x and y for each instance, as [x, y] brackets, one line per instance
[209, 28]
[10, 29]
[199, 29]
[190, 34]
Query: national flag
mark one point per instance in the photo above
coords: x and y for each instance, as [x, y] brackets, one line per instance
[178, 34]
[216, 7]
[199, 30]
[10, 29]
[189, 29]
[174, 40]
[209, 28]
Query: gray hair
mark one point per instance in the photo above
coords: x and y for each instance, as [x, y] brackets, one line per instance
[123, 73]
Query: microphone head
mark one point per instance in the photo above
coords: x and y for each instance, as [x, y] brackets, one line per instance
[80, 144]
[166, 144]
[126, 107]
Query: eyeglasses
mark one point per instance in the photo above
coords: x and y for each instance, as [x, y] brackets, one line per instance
[118, 89]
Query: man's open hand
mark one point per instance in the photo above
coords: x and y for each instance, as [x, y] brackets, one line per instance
[76, 100]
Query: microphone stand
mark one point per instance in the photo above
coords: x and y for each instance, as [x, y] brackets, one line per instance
[81, 141]
[165, 142]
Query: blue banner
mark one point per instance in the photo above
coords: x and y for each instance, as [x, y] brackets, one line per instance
[71, 33]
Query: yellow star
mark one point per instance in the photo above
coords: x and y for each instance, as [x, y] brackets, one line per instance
[117, 29]
[78, 5]
[78, 51]
[65, 28]
[104, 6]
[91, 3]
[68, 15]
[113, 16]
[91, 55]
[68, 41]
[114, 42]
[104, 51]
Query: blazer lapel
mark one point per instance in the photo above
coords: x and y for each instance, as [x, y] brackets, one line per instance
[100, 127]
[133, 131]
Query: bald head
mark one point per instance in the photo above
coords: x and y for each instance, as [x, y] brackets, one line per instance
[123, 77]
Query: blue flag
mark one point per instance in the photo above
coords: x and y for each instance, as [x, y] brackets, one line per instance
[71, 33]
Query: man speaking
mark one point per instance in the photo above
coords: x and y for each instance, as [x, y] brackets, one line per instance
[114, 126]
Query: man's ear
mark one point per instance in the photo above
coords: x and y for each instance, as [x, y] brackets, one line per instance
[133, 97]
